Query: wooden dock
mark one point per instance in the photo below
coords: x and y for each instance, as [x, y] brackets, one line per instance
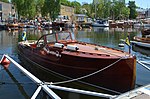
[139, 93]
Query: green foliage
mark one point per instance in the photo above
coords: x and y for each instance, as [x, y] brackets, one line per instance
[5, 1]
[39, 5]
[77, 7]
[65, 2]
[108, 9]
[51, 7]
[125, 12]
[133, 12]
[25, 8]
[118, 9]
[19, 5]
[87, 9]
[98, 9]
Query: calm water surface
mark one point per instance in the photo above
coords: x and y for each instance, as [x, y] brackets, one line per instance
[15, 85]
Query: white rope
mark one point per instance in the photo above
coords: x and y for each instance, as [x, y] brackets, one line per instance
[143, 65]
[67, 81]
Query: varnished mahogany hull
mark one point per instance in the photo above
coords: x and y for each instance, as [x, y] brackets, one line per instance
[119, 77]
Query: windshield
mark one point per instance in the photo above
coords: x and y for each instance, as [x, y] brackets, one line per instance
[64, 36]
[51, 38]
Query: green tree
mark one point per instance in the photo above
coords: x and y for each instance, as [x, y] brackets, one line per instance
[51, 8]
[125, 12]
[133, 12]
[118, 9]
[77, 7]
[5, 1]
[19, 6]
[107, 9]
[39, 5]
[31, 8]
[88, 8]
[25, 8]
[65, 2]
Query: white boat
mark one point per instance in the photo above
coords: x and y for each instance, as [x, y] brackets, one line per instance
[142, 44]
[100, 23]
[141, 25]
[140, 41]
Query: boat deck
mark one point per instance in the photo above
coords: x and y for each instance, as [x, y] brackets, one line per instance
[100, 50]
[139, 93]
[93, 49]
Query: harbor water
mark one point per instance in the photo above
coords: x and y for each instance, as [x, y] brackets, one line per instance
[15, 85]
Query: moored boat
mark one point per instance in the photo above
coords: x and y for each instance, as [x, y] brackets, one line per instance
[141, 50]
[12, 26]
[142, 41]
[145, 32]
[61, 53]
[100, 23]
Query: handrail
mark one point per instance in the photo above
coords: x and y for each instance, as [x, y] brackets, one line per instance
[82, 91]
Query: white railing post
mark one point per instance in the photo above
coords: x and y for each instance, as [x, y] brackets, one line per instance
[81, 91]
[36, 92]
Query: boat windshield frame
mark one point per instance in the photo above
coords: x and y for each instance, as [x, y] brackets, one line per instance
[55, 37]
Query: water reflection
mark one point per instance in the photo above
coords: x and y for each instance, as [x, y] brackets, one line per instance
[18, 84]
[100, 29]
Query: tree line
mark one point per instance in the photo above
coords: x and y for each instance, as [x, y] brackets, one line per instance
[98, 9]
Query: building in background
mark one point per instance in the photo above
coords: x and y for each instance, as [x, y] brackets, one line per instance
[141, 13]
[7, 11]
[66, 12]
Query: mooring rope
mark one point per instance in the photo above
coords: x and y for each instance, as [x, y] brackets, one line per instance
[141, 63]
[79, 78]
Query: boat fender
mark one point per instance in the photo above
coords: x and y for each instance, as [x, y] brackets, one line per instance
[58, 45]
[5, 62]
[121, 45]
[72, 47]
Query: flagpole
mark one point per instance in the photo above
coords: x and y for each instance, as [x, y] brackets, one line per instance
[127, 42]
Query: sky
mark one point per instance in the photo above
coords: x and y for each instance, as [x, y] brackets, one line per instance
[139, 3]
